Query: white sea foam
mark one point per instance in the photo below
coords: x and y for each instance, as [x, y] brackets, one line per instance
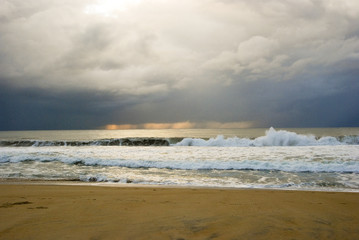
[271, 138]
[341, 158]
[279, 159]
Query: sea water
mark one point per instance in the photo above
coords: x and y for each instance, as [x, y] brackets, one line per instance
[324, 159]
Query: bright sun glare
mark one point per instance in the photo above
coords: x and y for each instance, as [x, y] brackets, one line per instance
[107, 8]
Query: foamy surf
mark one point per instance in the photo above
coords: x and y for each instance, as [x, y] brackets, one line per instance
[276, 159]
[272, 137]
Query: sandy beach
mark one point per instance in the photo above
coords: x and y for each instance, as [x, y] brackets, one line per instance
[45, 211]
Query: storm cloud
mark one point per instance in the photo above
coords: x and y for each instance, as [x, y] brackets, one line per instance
[87, 64]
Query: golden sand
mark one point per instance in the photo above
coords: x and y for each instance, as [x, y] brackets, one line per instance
[29, 211]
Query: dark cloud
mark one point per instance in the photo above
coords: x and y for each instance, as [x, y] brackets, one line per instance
[32, 108]
[67, 65]
[284, 104]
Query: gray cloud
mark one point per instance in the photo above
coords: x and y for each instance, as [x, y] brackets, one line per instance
[84, 65]
[290, 104]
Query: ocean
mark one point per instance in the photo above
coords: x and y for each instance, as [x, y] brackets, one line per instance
[320, 159]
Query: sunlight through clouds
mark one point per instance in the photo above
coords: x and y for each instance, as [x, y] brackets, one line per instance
[108, 8]
[156, 61]
[181, 125]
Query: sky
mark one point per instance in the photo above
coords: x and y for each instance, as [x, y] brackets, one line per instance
[117, 64]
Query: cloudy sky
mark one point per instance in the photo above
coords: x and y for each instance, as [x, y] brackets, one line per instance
[89, 64]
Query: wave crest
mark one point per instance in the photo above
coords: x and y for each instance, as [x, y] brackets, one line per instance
[272, 137]
[101, 142]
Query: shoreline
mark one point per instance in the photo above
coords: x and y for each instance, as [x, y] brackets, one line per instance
[75, 182]
[45, 211]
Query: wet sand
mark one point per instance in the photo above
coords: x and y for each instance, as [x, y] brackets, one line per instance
[32, 211]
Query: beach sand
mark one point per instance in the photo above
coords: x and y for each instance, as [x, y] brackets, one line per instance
[43, 211]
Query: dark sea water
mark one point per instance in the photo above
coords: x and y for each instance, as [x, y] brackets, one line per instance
[324, 159]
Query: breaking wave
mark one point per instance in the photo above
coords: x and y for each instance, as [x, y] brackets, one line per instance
[101, 142]
[272, 137]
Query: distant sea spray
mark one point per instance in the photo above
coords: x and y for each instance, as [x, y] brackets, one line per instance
[272, 137]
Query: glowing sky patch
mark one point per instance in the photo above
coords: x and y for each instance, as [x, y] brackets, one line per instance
[108, 8]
